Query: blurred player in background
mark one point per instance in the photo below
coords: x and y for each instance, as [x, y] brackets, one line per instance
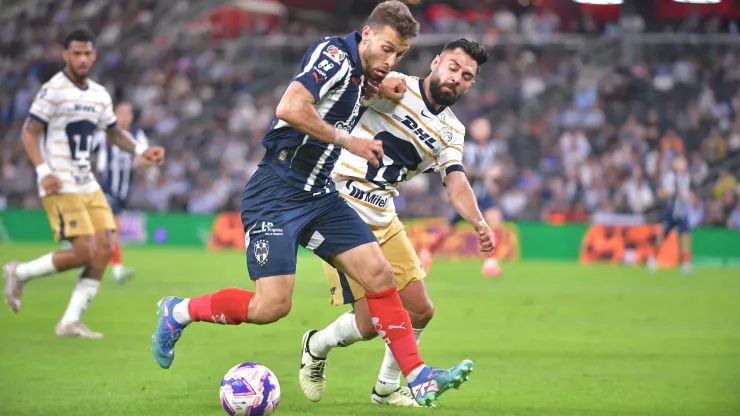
[116, 172]
[58, 137]
[478, 158]
[291, 200]
[419, 134]
[675, 192]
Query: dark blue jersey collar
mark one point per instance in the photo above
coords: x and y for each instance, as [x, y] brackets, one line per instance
[353, 44]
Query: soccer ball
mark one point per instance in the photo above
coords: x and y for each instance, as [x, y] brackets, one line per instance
[250, 389]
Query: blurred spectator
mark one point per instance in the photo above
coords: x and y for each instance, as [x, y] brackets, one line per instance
[639, 195]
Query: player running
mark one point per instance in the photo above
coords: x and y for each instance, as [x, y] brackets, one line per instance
[58, 138]
[478, 158]
[419, 134]
[116, 173]
[675, 191]
[291, 200]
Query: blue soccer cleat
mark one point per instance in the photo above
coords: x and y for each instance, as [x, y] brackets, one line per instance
[167, 333]
[432, 382]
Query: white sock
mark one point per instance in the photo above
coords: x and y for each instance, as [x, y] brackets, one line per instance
[84, 292]
[117, 268]
[42, 266]
[340, 333]
[389, 379]
[180, 312]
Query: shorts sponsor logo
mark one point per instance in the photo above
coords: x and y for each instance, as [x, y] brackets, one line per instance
[261, 251]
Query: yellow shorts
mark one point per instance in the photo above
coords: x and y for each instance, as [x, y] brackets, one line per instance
[76, 215]
[399, 252]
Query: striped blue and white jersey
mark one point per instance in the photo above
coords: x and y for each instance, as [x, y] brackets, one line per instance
[115, 166]
[479, 157]
[678, 186]
[332, 72]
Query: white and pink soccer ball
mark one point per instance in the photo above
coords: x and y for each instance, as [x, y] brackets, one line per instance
[250, 389]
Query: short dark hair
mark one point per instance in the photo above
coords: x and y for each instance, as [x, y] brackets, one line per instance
[79, 35]
[476, 51]
[397, 16]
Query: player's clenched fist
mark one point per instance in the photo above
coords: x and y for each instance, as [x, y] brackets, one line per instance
[393, 88]
[486, 239]
[51, 184]
[371, 150]
[154, 154]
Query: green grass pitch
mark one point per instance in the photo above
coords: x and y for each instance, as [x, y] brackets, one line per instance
[548, 339]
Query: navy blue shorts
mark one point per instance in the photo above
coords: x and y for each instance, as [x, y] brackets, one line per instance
[277, 217]
[485, 202]
[670, 222]
[117, 205]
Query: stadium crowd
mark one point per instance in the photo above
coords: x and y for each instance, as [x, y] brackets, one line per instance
[600, 148]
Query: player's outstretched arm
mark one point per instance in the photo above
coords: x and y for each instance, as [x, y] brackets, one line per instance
[297, 109]
[463, 200]
[125, 142]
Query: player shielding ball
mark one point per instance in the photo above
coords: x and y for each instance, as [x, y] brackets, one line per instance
[116, 172]
[58, 137]
[675, 192]
[419, 134]
[291, 200]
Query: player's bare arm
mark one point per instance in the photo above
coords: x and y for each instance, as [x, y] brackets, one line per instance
[463, 200]
[121, 138]
[32, 128]
[297, 109]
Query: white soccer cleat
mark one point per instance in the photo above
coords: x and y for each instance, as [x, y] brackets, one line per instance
[76, 329]
[122, 274]
[401, 397]
[686, 269]
[312, 375]
[13, 286]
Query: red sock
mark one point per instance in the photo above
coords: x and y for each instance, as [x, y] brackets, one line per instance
[394, 326]
[226, 307]
[116, 258]
[687, 257]
[437, 243]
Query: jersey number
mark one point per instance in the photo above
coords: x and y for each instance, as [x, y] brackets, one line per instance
[391, 173]
[80, 137]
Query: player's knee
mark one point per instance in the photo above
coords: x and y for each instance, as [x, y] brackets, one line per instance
[102, 252]
[84, 250]
[421, 317]
[379, 276]
[266, 309]
[277, 310]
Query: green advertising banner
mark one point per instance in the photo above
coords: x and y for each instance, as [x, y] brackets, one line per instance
[522, 240]
[175, 229]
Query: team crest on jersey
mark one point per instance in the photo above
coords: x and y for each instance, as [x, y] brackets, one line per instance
[335, 54]
[446, 134]
[261, 251]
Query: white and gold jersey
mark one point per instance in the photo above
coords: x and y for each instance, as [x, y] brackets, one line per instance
[416, 138]
[71, 116]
